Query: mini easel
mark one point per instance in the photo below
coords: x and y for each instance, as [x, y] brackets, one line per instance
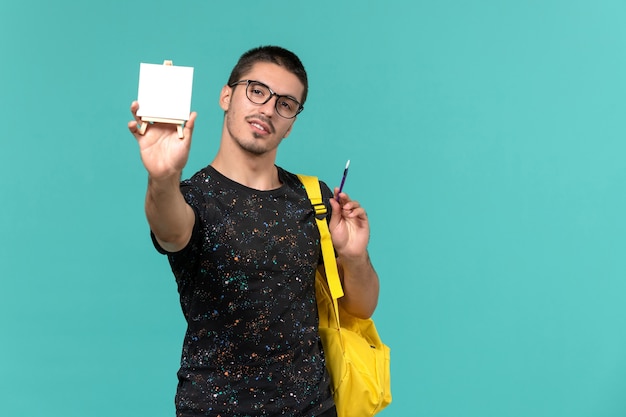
[145, 120]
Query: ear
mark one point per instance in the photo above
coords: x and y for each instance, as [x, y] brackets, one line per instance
[225, 97]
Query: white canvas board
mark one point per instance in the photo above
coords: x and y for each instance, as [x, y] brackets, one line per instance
[165, 91]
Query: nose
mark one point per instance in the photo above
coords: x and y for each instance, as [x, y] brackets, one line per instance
[269, 108]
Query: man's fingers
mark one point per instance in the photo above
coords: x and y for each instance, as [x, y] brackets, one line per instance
[133, 126]
[134, 107]
[357, 212]
[189, 124]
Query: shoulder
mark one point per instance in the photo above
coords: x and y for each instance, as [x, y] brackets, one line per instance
[290, 179]
[204, 176]
[200, 184]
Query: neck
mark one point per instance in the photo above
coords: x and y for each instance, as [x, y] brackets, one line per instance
[254, 171]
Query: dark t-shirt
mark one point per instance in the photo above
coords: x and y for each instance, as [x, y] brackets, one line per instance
[247, 290]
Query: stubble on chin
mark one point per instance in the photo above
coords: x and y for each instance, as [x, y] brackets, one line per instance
[258, 144]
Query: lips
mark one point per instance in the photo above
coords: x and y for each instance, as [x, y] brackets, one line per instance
[261, 126]
[258, 126]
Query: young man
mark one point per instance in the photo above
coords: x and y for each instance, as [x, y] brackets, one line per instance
[241, 239]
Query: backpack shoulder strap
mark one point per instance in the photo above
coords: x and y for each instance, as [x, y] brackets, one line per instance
[312, 186]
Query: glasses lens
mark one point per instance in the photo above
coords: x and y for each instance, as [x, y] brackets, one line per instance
[287, 107]
[260, 94]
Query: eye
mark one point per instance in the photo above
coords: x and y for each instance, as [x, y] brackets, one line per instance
[287, 104]
[257, 90]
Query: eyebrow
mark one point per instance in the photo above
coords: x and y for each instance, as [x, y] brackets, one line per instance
[282, 95]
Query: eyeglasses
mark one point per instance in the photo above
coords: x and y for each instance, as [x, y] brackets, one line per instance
[259, 93]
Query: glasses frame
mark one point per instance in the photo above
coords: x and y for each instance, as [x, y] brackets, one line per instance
[272, 94]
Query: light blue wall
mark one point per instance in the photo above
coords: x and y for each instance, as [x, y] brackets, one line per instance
[487, 143]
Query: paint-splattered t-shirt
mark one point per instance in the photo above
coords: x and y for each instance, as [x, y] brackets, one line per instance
[247, 290]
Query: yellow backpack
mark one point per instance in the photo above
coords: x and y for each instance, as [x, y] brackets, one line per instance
[356, 358]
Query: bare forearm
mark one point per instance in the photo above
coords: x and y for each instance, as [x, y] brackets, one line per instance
[169, 216]
[361, 286]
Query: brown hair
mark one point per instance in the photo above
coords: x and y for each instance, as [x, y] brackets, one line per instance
[275, 55]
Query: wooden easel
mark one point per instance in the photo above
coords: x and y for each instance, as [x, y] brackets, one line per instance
[146, 120]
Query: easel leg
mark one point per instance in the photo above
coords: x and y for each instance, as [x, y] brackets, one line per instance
[144, 126]
[146, 120]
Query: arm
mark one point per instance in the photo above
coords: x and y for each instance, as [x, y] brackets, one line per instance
[349, 229]
[164, 156]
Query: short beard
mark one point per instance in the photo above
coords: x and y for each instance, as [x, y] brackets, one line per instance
[251, 148]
